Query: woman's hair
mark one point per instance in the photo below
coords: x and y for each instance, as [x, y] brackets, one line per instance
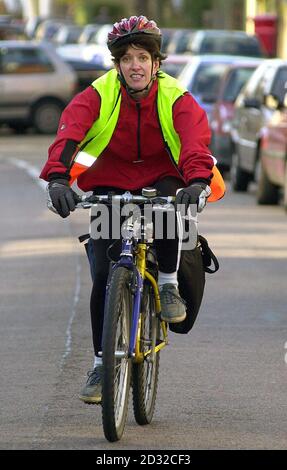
[141, 41]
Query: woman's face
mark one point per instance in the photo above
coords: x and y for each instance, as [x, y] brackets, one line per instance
[138, 68]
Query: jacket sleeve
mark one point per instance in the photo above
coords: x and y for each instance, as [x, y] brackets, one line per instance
[77, 118]
[191, 124]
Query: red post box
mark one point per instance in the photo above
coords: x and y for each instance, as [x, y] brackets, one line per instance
[265, 27]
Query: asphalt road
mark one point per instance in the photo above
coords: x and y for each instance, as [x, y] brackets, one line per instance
[223, 386]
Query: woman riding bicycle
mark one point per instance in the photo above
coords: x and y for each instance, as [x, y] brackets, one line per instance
[133, 127]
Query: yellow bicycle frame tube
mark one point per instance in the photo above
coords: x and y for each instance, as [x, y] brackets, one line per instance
[141, 265]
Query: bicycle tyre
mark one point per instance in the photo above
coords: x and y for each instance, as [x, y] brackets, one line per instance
[116, 371]
[145, 374]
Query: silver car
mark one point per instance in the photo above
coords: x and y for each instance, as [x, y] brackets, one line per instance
[35, 86]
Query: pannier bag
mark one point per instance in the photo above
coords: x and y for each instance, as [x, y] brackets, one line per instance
[191, 277]
[191, 281]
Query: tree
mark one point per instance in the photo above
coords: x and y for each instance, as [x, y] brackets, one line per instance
[87, 11]
[194, 12]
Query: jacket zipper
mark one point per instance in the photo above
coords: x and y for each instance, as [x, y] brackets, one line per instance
[139, 160]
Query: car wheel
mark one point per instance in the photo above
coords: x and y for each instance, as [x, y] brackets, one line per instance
[267, 192]
[238, 177]
[46, 116]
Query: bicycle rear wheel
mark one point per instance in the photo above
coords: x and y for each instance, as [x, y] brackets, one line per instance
[145, 374]
[116, 364]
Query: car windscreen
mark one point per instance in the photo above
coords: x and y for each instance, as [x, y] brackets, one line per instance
[18, 60]
[279, 86]
[207, 78]
[172, 68]
[236, 80]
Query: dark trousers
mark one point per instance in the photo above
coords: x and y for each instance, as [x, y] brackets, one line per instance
[167, 255]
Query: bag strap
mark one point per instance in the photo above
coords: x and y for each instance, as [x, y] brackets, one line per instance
[83, 238]
[208, 256]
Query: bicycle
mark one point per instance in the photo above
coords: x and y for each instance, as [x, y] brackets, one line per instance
[133, 332]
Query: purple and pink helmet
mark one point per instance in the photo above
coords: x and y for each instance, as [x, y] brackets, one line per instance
[135, 25]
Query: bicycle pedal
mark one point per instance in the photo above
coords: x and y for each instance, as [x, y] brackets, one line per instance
[91, 403]
[86, 402]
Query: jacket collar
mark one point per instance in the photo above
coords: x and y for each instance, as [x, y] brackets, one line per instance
[147, 99]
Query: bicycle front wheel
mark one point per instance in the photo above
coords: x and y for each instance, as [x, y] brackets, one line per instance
[145, 374]
[116, 364]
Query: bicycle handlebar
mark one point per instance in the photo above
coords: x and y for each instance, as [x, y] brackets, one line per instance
[87, 202]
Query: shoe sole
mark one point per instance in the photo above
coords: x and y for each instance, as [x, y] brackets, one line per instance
[174, 319]
[90, 400]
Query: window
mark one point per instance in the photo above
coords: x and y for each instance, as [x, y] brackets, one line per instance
[236, 79]
[279, 87]
[172, 68]
[258, 83]
[224, 44]
[207, 78]
[24, 60]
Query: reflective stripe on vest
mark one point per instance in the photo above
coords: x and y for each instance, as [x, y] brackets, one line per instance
[99, 135]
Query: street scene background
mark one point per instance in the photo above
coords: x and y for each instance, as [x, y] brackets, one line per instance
[222, 386]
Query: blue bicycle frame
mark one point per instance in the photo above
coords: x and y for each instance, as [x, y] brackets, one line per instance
[127, 261]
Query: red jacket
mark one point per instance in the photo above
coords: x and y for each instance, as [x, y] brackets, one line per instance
[137, 137]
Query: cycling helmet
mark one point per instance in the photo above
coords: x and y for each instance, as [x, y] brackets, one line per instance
[126, 29]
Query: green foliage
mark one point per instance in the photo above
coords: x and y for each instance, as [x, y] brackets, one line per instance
[2, 8]
[193, 11]
[88, 11]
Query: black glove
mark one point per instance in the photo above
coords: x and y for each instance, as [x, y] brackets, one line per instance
[61, 198]
[196, 193]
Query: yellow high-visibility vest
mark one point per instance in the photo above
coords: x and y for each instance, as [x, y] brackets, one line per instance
[99, 135]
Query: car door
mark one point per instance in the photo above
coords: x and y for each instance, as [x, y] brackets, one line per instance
[240, 132]
[253, 115]
[275, 147]
[21, 79]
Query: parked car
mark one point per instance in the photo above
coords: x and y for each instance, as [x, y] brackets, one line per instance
[88, 31]
[231, 84]
[167, 35]
[202, 75]
[272, 167]
[89, 61]
[180, 41]
[215, 41]
[47, 29]
[253, 109]
[93, 53]
[100, 36]
[96, 55]
[12, 30]
[175, 63]
[86, 71]
[68, 34]
[35, 85]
